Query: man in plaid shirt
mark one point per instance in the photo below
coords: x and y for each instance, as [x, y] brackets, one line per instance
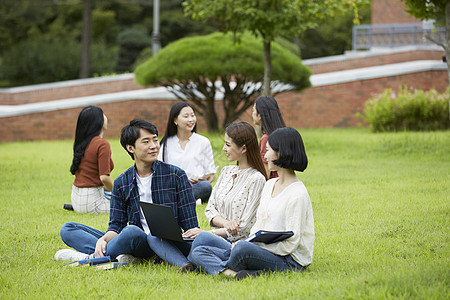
[149, 180]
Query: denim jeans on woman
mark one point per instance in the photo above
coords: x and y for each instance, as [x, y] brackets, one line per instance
[212, 254]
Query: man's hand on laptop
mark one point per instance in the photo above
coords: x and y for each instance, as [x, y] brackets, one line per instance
[192, 233]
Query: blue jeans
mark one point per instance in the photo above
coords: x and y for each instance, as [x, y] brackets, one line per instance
[202, 190]
[131, 240]
[249, 256]
[174, 253]
[211, 254]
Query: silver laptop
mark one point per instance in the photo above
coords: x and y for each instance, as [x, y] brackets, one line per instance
[161, 222]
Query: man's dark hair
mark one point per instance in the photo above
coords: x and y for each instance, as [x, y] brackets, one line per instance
[130, 133]
[291, 152]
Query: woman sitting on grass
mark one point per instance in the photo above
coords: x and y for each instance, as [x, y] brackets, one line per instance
[284, 206]
[184, 148]
[92, 163]
[231, 210]
[267, 115]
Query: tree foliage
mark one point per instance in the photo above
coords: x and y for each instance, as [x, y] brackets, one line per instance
[35, 21]
[190, 67]
[333, 37]
[438, 10]
[46, 60]
[267, 18]
[427, 10]
[132, 42]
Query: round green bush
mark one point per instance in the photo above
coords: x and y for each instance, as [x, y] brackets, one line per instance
[407, 110]
[217, 55]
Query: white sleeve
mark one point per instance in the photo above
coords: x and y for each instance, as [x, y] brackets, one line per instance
[160, 153]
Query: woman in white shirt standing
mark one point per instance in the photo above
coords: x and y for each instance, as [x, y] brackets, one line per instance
[231, 210]
[184, 148]
[284, 206]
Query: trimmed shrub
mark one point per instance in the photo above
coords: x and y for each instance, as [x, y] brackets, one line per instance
[407, 110]
[188, 67]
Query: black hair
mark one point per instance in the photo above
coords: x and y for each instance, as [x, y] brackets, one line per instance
[271, 119]
[291, 152]
[89, 124]
[171, 128]
[242, 134]
[130, 133]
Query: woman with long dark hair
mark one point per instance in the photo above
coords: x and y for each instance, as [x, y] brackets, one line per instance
[92, 163]
[231, 210]
[184, 148]
[267, 115]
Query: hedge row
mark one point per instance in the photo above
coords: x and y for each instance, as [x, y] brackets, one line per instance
[407, 110]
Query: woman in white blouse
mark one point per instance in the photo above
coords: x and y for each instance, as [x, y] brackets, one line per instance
[231, 210]
[285, 206]
[183, 147]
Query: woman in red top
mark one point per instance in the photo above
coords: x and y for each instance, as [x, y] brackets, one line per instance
[267, 115]
[92, 163]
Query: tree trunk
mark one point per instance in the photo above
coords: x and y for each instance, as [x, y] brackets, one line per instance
[267, 68]
[211, 117]
[447, 46]
[86, 39]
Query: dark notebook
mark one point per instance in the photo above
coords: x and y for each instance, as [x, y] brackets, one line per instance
[161, 222]
[269, 237]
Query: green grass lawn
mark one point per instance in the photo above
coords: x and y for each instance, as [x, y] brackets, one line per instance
[381, 206]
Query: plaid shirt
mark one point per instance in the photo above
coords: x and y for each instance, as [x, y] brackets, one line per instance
[170, 186]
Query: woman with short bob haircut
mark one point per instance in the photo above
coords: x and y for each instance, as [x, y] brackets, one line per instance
[184, 148]
[284, 206]
[92, 163]
[267, 115]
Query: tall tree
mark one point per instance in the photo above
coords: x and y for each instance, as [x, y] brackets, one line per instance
[199, 69]
[267, 18]
[86, 39]
[438, 10]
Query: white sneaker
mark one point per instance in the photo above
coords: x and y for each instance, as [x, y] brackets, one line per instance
[198, 201]
[128, 258]
[70, 254]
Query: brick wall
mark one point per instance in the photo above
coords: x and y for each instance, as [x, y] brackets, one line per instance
[323, 106]
[68, 91]
[336, 105]
[375, 60]
[95, 88]
[57, 125]
[390, 12]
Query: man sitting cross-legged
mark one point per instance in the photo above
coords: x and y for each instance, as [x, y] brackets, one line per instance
[149, 180]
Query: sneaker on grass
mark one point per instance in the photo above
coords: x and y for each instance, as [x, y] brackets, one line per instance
[128, 258]
[70, 254]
